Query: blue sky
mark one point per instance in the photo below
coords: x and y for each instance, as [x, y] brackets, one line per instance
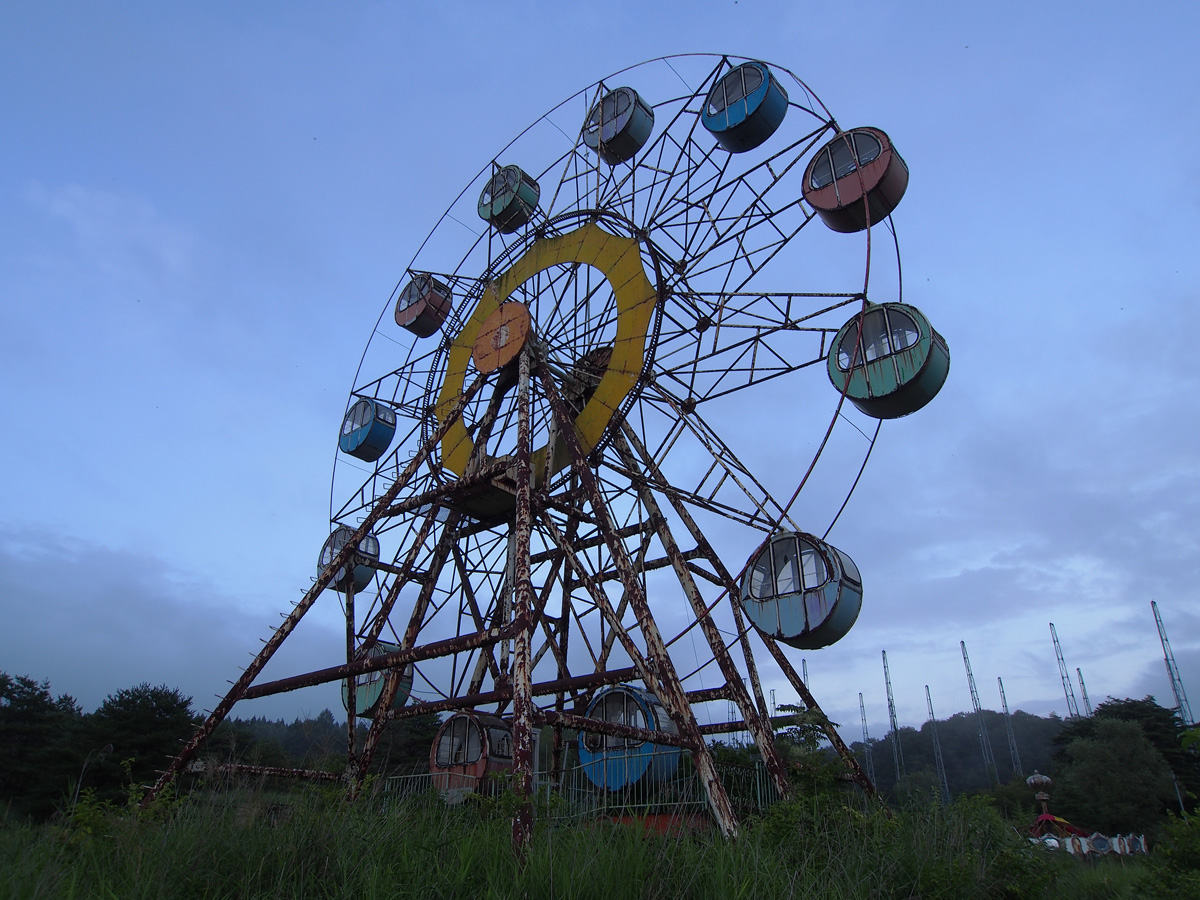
[205, 206]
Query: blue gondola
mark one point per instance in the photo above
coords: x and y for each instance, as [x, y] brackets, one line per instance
[802, 591]
[744, 107]
[509, 199]
[367, 430]
[619, 125]
[368, 552]
[616, 762]
[889, 360]
[368, 687]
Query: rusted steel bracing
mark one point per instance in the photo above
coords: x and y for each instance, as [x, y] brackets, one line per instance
[523, 596]
[760, 730]
[404, 575]
[731, 588]
[648, 565]
[727, 727]
[592, 542]
[585, 683]
[659, 675]
[708, 694]
[397, 659]
[238, 690]
[264, 771]
[480, 478]
[613, 729]
[351, 686]
[857, 775]
[705, 550]
[392, 680]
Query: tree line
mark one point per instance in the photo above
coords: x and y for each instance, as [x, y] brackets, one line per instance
[1120, 770]
[51, 750]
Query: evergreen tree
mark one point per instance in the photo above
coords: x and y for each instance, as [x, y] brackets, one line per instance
[1114, 781]
[145, 726]
[37, 758]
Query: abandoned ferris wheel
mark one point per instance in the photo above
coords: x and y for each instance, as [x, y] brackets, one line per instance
[599, 436]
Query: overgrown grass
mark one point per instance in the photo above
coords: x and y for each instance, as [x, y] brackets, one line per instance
[312, 845]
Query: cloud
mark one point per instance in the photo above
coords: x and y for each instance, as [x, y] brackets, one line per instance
[94, 620]
[124, 237]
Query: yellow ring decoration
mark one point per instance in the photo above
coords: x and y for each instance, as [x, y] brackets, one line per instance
[620, 259]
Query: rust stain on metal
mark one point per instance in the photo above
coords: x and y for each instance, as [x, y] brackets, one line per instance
[398, 659]
[660, 669]
[522, 827]
[760, 730]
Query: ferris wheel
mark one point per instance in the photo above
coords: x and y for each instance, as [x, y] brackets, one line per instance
[599, 435]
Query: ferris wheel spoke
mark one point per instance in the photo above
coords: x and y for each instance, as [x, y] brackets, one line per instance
[726, 485]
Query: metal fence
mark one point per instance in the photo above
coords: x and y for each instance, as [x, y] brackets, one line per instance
[570, 796]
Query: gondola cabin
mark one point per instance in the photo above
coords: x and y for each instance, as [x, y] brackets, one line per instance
[367, 429]
[368, 687]
[744, 107]
[423, 305]
[469, 748]
[888, 360]
[509, 199]
[613, 762]
[855, 164]
[802, 591]
[619, 125]
[357, 575]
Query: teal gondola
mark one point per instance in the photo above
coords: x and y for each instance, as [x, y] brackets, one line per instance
[509, 199]
[858, 163]
[888, 360]
[802, 591]
[619, 125]
[368, 687]
[367, 430]
[423, 305]
[363, 571]
[614, 763]
[744, 107]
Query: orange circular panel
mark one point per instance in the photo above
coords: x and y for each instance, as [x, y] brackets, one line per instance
[501, 337]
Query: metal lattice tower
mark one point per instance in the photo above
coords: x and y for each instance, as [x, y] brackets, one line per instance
[1181, 701]
[985, 744]
[862, 709]
[1012, 738]
[1087, 704]
[1068, 690]
[897, 752]
[937, 750]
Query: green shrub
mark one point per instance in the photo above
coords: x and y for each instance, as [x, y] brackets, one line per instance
[1174, 863]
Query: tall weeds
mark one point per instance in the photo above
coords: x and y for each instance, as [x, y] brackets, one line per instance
[312, 845]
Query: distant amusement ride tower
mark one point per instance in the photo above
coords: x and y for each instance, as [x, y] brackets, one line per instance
[600, 434]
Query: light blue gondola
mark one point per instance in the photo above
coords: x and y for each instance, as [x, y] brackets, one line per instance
[367, 430]
[368, 688]
[889, 360]
[614, 763]
[509, 199]
[744, 107]
[802, 591]
[618, 125]
[368, 552]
